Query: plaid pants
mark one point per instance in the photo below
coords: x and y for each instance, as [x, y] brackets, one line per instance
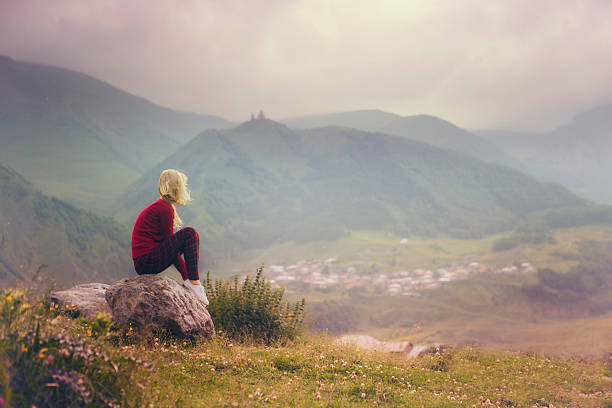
[186, 241]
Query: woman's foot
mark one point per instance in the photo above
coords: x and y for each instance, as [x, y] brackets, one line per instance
[198, 289]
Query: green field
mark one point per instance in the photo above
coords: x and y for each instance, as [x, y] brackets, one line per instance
[364, 248]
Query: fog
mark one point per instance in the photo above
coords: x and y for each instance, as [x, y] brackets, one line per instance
[486, 64]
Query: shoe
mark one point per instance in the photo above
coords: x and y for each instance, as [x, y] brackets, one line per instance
[198, 289]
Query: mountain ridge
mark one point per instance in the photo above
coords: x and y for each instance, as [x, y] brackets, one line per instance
[263, 182]
[76, 137]
[575, 154]
[422, 127]
[36, 230]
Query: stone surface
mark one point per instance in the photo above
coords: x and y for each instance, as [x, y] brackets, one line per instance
[149, 303]
[88, 299]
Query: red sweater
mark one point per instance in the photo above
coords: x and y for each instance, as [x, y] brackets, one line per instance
[153, 225]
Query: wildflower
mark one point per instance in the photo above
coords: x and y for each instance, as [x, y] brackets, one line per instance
[23, 348]
[89, 332]
[56, 305]
[363, 395]
[156, 339]
[26, 305]
[184, 343]
[9, 298]
[41, 355]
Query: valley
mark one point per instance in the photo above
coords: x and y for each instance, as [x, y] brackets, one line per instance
[487, 307]
[330, 204]
[414, 227]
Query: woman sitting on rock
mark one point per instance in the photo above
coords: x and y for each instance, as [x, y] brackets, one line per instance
[155, 246]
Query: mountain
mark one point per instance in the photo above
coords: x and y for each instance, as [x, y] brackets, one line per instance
[423, 128]
[262, 182]
[77, 245]
[81, 139]
[576, 155]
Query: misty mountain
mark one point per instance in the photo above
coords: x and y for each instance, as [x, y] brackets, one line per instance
[81, 139]
[77, 245]
[422, 128]
[262, 182]
[578, 155]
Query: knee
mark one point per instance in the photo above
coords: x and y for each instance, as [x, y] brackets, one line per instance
[190, 232]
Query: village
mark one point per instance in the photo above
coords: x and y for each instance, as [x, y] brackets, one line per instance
[327, 275]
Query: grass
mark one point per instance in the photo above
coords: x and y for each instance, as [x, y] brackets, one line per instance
[316, 373]
[308, 372]
[313, 372]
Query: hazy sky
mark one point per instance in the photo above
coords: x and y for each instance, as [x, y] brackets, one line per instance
[480, 63]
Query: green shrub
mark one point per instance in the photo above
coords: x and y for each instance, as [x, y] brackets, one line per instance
[253, 310]
[42, 366]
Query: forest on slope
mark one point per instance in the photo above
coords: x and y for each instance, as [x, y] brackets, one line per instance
[75, 245]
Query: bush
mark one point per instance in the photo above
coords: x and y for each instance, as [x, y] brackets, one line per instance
[43, 367]
[253, 310]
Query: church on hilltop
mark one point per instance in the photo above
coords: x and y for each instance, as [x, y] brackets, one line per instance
[259, 116]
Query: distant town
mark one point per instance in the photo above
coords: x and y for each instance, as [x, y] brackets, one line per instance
[327, 275]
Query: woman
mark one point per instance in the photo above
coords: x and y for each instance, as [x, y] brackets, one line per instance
[155, 246]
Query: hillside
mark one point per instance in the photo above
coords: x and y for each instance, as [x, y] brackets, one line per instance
[83, 362]
[81, 139]
[77, 245]
[262, 182]
[576, 155]
[422, 128]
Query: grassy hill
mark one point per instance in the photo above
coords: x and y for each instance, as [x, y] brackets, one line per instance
[55, 360]
[36, 230]
[262, 182]
[576, 155]
[422, 128]
[81, 139]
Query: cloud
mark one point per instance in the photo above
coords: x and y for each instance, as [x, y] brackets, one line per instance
[519, 64]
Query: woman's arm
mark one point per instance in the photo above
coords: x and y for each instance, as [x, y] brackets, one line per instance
[166, 219]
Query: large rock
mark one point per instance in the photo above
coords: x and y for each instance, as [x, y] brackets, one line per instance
[87, 299]
[150, 303]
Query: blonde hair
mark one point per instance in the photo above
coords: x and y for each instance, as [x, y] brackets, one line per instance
[172, 187]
